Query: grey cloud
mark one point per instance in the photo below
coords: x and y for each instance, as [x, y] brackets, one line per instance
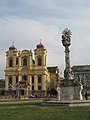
[43, 9]
[27, 21]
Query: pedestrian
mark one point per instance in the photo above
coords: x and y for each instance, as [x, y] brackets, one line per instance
[36, 96]
[86, 96]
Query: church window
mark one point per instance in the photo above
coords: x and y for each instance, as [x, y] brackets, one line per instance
[17, 61]
[24, 77]
[32, 87]
[10, 62]
[32, 78]
[10, 79]
[16, 79]
[39, 88]
[39, 61]
[25, 62]
[39, 78]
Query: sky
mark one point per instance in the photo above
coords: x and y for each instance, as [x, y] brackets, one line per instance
[27, 21]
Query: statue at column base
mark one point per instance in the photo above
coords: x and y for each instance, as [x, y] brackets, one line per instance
[58, 91]
[71, 90]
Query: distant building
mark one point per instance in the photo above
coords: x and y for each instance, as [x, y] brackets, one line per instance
[2, 86]
[83, 71]
[25, 75]
[54, 76]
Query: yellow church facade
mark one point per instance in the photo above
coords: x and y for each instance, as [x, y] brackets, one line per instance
[25, 75]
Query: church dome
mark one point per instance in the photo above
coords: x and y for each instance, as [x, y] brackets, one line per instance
[40, 45]
[12, 47]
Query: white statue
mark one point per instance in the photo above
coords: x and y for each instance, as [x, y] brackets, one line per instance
[81, 88]
[58, 92]
[80, 92]
[66, 37]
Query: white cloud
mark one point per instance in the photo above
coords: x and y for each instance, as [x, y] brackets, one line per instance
[26, 35]
[2, 64]
[26, 22]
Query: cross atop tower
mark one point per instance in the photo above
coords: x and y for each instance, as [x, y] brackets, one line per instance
[13, 43]
[40, 41]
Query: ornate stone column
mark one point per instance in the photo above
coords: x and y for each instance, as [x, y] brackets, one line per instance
[35, 83]
[20, 78]
[44, 82]
[6, 82]
[30, 81]
[14, 61]
[14, 82]
[66, 41]
[19, 60]
[69, 88]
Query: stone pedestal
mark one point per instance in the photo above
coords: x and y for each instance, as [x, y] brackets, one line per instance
[69, 93]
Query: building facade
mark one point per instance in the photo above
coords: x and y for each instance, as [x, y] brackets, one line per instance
[54, 76]
[2, 87]
[83, 72]
[25, 75]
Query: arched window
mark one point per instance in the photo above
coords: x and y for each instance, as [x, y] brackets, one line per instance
[32, 78]
[39, 87]
[24, 77]
[24, 61]
[17, 61]
[39, 79]
[16, 79]
[10, 79]
[10, 62]
[39, 61]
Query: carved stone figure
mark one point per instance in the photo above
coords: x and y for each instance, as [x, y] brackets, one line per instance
[66, 37]
[81, 87]
[58, 91]
[80, 92]
[66, 41]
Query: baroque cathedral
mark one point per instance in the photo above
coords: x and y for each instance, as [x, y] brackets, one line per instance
[25, 75]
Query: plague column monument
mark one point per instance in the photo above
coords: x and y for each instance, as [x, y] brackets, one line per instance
[66, 41]
[70, 88]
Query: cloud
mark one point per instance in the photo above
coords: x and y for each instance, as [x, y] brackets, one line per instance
[27, 21]
[2, 64]
[26, 35]
[45, 9]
